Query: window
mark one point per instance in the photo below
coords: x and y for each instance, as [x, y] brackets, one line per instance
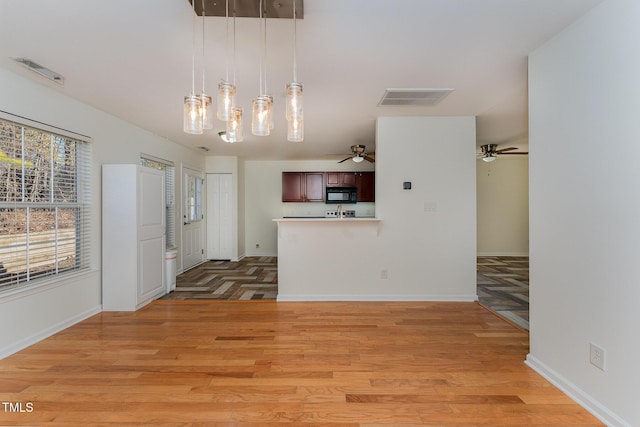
[44, 204]
[169, 186]
[193, 197]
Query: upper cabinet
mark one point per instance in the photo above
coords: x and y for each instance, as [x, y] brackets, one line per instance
[303, 186]
[310, 186]
[341, 179]
[366, 186]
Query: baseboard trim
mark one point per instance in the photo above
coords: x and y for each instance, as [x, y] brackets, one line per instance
[583, 399]
[381, 298]
[503, 254]
[46, 333]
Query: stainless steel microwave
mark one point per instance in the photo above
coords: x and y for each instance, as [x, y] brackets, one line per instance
[341, 195]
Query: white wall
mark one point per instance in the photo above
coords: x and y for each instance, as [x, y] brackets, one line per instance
[585, 209]
[503, 206]
[263, 199]
[428, 237]
[428, 254]
[40, 312]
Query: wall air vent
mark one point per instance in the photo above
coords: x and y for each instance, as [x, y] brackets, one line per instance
[43, 71]
[413, 97]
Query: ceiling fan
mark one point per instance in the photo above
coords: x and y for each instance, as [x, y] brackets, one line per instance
[490, 152]
[359, 154]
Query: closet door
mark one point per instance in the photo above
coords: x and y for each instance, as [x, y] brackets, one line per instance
[219, 216]
[151, 229]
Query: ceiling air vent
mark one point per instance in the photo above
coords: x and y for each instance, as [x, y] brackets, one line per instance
[413, 97]
[43, 71]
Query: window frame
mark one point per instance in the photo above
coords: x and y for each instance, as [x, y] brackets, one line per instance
[79, 176]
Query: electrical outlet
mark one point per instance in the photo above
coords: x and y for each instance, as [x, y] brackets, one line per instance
[384, 274]
[597, 356]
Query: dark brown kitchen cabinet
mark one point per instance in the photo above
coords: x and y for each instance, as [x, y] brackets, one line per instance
[341, 179]
[366, 186]
[303, 187]
[292, 187]
[314, 187]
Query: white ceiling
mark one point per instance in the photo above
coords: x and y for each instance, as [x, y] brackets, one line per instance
[132, 59]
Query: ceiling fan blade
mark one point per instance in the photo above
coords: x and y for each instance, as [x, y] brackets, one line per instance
[519, 152]
[502, 150]
[348, 158]
[369, 159]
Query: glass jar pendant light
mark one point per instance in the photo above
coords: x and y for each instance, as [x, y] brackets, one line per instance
[192, 109]
[260, 116]
[294, 111]
[261, 105]
[205, 100]
[234, 126]
[295, 130]
[207, 112]
[226, 99]
[226, 89]
[192, 114]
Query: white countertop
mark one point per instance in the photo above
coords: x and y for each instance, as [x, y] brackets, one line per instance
[356, 219]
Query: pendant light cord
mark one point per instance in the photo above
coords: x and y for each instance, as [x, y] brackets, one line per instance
[295, 45]
[193, 53]
[203, 15]
[226, 44]
[265, 50]
[262, 53]
[234, 42]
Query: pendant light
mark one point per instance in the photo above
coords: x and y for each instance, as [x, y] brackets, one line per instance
[192, 110]
[294, 113]
[261, 105]
[234, 124]
[205, 100]
[234, 127]
[227, 90]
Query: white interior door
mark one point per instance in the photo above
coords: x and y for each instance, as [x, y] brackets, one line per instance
[219, 216]
[193, 217]
[151, 233]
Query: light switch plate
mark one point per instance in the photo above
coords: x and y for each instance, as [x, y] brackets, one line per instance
[430, 207]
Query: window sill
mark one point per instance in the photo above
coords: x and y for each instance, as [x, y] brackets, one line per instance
[43, 285]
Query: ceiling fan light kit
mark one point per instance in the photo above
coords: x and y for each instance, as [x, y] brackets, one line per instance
[359, 154]
[490, 152]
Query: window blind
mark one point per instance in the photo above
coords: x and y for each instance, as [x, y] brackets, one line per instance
[169, 188]
[45, 204]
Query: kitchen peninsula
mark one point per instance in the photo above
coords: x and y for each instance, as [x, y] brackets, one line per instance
[317, 256]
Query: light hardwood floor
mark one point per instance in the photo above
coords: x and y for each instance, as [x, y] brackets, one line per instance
[263, 363]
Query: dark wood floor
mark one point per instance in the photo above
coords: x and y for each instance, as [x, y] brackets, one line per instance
[503, 286]
[264, 363]
[252, 278]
